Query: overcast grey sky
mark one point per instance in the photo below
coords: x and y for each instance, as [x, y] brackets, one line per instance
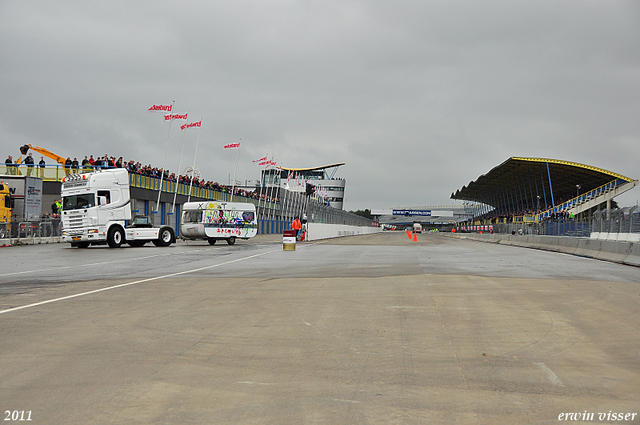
[418, 98]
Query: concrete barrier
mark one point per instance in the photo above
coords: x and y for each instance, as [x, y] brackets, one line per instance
[620, 237]
[29, 241]
[624, 252]
[317, 231]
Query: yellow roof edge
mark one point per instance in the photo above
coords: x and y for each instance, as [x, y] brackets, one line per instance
[574, 164]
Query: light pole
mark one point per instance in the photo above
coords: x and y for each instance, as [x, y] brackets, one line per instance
[577, 194]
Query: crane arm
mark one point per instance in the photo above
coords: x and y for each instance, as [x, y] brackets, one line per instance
[43, 151]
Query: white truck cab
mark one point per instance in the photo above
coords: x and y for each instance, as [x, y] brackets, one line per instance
[95, 208]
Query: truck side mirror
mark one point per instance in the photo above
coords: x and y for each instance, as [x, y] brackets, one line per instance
[102, 200]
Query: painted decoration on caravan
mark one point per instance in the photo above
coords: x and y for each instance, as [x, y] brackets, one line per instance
[218, 220]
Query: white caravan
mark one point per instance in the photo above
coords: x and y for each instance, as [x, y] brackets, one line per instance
[95, 207]
[218, 220]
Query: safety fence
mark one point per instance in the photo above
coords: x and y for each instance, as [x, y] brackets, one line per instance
[625, 220]
[615, 222]
[320, 213]
[22, 229]
[550, 228]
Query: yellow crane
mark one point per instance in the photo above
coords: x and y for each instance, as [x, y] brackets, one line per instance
[24, 149]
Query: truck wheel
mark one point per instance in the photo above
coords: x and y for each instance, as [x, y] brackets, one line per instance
[231, 240]
[3, 232]
[211, 241]
[115, 237]
[165, 237]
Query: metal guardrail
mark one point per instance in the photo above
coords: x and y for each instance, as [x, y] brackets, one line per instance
[44, 228]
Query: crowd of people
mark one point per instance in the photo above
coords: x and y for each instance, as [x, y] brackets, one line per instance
[89, 163]
[494, 218]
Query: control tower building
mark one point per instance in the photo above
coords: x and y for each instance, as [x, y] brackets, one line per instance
[320, 182]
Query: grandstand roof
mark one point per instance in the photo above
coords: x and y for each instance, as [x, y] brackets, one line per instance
[521, 180]
[313, 168]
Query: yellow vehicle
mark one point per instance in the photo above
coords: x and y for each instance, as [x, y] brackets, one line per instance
[6, 205]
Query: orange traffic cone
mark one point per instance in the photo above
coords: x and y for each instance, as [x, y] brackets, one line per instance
[415, 237]
[409, 234]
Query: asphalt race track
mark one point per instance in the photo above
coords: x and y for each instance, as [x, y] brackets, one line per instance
[372, 329]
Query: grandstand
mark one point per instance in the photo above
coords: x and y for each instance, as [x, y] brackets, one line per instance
[536, 189]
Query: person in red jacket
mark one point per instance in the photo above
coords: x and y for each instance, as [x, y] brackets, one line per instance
[296, 225]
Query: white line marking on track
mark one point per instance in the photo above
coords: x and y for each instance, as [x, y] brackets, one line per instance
[68, 297]
[255, 383]
[552, 376]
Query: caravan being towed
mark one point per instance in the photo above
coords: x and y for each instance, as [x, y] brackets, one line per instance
[217, 220]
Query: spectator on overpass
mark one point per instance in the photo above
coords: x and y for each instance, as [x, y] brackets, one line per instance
[11, 167]
[29, 162]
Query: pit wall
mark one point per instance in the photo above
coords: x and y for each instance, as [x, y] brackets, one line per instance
[614, 251]
[619, 237]
[317, 231]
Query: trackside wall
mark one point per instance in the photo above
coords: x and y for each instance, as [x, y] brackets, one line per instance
[614, 251]
[317, 231]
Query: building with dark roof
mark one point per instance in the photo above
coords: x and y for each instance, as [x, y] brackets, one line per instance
[541, 187]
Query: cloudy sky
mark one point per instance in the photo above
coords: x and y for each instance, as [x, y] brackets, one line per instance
[416, 97]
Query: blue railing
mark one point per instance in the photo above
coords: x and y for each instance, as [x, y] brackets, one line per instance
[571, 203]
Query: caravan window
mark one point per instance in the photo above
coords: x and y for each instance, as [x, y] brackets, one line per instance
[191, 216]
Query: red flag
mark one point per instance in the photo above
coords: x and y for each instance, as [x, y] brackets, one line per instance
[175, 117]
[232, 146]
[261, 159]
[160, 108]
[193, 124]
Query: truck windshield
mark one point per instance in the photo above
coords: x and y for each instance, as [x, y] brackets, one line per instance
[77, 202]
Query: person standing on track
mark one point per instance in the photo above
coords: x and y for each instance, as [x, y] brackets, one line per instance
[296, 225]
